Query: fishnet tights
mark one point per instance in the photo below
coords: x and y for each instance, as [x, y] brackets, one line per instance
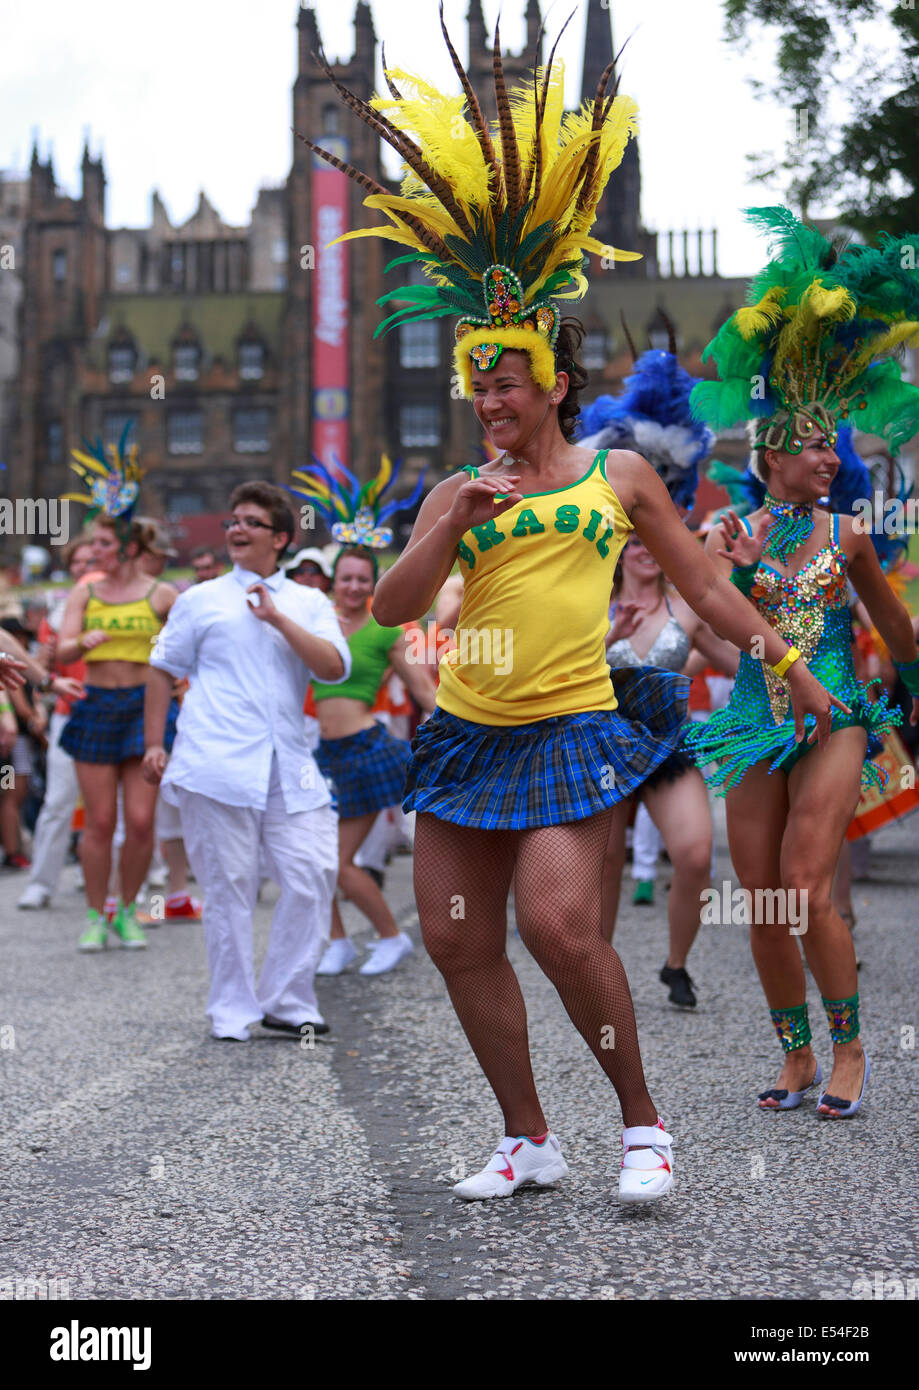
[462, 877]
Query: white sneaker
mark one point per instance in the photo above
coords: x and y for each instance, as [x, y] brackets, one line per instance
[34, 895]
[387, 954]
[517, 1162]
[646, 1172]
[337, 955]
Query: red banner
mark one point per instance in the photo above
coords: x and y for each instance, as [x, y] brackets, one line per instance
[331, 381]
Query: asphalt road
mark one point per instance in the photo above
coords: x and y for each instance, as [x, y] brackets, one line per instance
[141, 1159]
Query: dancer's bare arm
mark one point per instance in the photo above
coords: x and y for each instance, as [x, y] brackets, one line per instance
[407, 590]
[708, 591]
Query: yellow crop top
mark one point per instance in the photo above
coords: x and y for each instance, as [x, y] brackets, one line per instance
[131, 627]
[537, 582]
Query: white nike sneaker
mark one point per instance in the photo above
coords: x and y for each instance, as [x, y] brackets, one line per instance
[387, 953]
[646, 1172]
[34, 895]
[518, 1161]
[338, 954]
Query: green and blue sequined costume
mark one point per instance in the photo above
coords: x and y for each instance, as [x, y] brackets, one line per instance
[809, 610]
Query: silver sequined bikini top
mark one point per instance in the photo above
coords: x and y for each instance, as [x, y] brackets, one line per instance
[669, 651]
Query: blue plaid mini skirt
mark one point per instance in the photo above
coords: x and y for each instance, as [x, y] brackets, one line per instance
[108, 726]
[367, 770]
[523, 776]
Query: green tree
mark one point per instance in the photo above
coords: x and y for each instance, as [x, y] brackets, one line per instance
[856, 104]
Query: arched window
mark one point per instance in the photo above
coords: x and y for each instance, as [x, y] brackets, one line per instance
[122, 359]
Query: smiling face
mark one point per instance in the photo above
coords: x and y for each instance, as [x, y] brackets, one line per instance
[637, 566]
[805, 476]
[510, 406]
[254, 547]
[353, 585]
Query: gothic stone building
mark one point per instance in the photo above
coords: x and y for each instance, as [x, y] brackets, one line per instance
[235, 352]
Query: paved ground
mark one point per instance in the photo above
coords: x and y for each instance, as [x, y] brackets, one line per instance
[140, 1159]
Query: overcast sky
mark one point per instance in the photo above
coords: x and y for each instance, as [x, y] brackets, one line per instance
[181, 95]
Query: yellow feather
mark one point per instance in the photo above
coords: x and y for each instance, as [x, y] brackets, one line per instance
[434, 217]
[755, 317]
[905, 332]
[447, 139]
[380, 481]
[91, 463]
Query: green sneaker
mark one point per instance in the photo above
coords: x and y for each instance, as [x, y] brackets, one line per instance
[644, 892]
[126, 928]
[96, 933]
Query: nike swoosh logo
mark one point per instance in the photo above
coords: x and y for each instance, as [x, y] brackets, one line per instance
[645, 1181]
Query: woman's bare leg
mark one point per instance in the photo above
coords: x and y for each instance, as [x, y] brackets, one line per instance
[139, 802]
[355, 883]
[823, 792]
[681, 812]
[99, 789]
[757, 810]
[462, 877]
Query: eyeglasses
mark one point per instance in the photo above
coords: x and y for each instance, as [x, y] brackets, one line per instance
[249, 522]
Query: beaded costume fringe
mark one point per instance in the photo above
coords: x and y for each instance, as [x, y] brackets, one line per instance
[736, 745]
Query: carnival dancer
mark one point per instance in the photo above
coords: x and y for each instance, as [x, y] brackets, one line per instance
[363, 761]
[111, 625]
[242, 775]
[650, 628]
[817, 337]
[518, 767]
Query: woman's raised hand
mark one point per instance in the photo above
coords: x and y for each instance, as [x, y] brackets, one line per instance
[482, 499]
[626, 619]
[739, 547]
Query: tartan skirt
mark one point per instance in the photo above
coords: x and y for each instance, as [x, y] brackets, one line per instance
[367, 770]
[524, 776]
[108, 726]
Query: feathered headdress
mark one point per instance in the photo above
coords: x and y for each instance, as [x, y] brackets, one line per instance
[113, 475]
[354, 512]
[652, 417]
[498, 217]
[813, 346]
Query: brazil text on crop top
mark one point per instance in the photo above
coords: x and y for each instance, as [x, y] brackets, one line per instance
[131, 628]
[370, 646]
[537, 581]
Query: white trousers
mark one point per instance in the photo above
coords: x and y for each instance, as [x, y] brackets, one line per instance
[52, 830]
[301, 852]
[646, 844]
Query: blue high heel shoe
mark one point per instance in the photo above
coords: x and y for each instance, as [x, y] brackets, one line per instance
[789, 1100]
[846, 1108]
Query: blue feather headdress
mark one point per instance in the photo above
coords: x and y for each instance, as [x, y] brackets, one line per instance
[354, 512]
[652, 418]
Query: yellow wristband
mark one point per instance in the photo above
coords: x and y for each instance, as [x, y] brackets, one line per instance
[788, 659]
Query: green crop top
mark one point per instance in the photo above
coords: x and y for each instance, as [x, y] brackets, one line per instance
[370, 646]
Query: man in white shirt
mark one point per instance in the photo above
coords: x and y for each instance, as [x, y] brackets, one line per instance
[241, 772]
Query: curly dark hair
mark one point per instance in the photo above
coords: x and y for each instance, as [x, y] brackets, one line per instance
[568, 345]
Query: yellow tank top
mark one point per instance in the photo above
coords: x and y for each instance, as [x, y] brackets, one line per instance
[531, 630]
[131, 627]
